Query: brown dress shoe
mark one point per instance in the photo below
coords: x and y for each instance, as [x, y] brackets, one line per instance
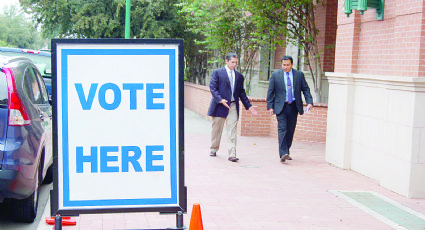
[233, 159]
[213, 154]
[289, 158]
[284, 158]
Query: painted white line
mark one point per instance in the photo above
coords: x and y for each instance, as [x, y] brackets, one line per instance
[398, 205]
[370, 211]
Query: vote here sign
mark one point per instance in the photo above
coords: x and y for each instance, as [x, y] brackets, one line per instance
[118, 113]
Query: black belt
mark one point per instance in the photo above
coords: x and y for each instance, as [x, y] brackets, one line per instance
[232, 102]
[293, 102]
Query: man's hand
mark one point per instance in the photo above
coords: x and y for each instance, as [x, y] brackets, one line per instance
[224, 102]
[309, 107]
[252, 109]
[271, 111]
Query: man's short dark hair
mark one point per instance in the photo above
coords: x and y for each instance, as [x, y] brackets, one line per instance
[231, 55]
[287, 58]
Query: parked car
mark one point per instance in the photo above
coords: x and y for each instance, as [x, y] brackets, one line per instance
[41, 58]
[25, 136]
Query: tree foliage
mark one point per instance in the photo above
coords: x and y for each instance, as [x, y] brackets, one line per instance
[244, 26]
[17, 31]
[105, 18]
[225, 26]
[294, 20]
[211, 28]
[196, 60]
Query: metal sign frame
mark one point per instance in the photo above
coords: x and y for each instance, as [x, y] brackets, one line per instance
[63, 50]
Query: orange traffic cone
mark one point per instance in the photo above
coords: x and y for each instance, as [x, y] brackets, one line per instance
[196, 218]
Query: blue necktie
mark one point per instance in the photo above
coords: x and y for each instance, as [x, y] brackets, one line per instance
[289, 88]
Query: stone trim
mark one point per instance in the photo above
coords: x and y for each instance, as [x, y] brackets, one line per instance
[414, 84]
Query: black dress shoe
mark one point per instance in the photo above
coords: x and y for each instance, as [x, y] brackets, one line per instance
[284, 158]
[213, 154]
[233, 159]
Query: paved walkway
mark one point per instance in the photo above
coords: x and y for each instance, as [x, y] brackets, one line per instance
[259, 192]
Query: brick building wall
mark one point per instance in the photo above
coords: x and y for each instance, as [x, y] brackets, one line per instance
[197, 98]
[376, 96]
[329, 31]
[394, 46]
[310, 127]
[326, 22]
[278, 54]
[254, 125]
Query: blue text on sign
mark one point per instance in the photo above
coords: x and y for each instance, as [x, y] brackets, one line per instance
[87, 102]
[127, 159]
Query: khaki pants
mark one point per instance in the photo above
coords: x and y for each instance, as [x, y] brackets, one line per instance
[231, 126]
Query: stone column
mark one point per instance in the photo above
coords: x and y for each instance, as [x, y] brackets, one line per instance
[376, 126]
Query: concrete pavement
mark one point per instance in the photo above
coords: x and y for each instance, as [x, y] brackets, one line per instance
[260, 193]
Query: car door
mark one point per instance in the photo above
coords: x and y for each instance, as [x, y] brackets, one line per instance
[46, 117]
[41, 115]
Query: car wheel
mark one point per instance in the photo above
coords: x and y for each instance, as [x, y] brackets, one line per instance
[25, 210]
[49, 175]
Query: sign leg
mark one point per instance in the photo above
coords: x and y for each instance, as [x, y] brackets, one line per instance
[179, 220]
[58, 222]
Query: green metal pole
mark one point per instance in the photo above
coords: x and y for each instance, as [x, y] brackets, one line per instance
[127, 18]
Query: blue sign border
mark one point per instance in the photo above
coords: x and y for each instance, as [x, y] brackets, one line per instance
[171, 53]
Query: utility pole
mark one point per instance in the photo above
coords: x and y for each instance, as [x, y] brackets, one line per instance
[127, 18]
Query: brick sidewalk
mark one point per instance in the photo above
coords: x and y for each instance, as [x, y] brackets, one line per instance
[258, 192]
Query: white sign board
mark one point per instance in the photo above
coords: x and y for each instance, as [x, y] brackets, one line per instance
[118, 112]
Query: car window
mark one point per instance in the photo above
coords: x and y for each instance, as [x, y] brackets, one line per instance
[31, 87]
[43, 88]
[42, 62]
[3, 91]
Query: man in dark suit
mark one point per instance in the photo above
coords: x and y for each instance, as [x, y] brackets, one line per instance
[284, 100]
[227, 87]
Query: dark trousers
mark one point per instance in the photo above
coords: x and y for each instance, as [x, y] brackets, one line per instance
[286, 123]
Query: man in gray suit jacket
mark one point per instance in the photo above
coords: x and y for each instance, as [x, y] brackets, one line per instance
[284, 100]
